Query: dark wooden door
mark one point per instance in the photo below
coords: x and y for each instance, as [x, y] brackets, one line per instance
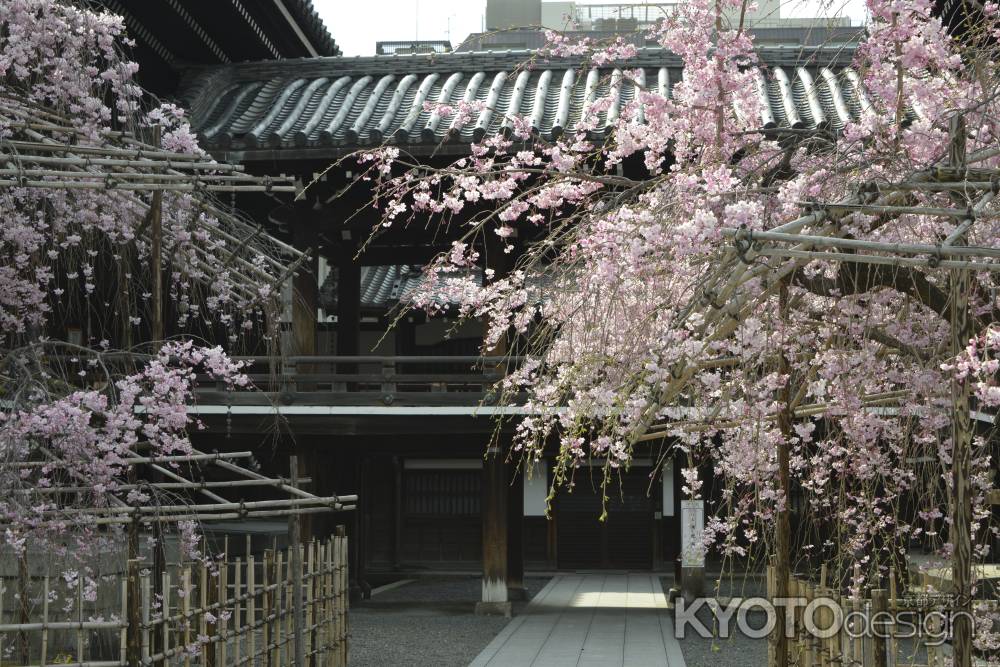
[624, 541]
[441, 522]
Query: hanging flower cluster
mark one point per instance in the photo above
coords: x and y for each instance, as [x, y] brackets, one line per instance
[72, 412]
[642, 318]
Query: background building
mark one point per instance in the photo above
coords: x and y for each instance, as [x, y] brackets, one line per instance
[520, 24]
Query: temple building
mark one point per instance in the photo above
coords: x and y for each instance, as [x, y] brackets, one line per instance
[402, 412]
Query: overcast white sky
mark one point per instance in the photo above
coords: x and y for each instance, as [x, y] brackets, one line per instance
[357, 24]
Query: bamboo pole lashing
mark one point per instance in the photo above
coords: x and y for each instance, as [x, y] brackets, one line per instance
[222, 216]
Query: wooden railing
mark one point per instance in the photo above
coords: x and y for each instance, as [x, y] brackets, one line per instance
[334, 380]
[369, 380]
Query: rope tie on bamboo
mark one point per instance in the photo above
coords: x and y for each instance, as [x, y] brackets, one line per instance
[22, 179]
[743, 241]
[708, 298]
[267, 183]
[934, 261]
[242, 511]
[871, 191]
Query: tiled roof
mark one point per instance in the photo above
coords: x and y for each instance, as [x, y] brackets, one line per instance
[343, 103]
[313, 26]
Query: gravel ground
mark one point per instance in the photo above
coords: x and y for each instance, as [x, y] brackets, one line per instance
[429, 622]
[737, 650]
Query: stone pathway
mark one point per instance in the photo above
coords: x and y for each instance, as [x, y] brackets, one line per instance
[604, 620]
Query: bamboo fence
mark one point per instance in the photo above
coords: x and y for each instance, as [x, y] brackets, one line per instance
[234, 611]
[838, 631]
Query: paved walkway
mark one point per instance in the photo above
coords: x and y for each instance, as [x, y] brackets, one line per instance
[590, 620]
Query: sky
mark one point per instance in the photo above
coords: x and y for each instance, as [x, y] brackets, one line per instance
[357, 24]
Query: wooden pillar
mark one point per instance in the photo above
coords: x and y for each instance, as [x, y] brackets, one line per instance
[348, 296]
[961, 459]
[397, 512]
[406, 336]
[363, 513]
[305, 286]
[302, 337]
[496, 479]
[515, 535]
[494, 515]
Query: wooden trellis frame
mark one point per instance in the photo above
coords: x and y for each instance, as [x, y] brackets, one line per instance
[218, 508]
[722, 308]
[45, 151]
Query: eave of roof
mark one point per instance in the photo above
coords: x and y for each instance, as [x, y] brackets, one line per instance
[323, 107]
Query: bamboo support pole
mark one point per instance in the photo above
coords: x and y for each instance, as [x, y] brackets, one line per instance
[894, 609]
[109, 184]
[165, 611]
[136, 460]
[876, 209]
[333, 502]
[251, 607]
[204, 516]
[186, 611]
[929, 263]
[310, 638]
[120, 177]
[881, 625]
[943, 249]
[63, 625]
[268, 576]
[772, 639]
[140, 157]
[123, 631]
[166, 486]
[857, 653]
[23, 594]
[823, 618]
[203, 599]
[280, 607]
[45, 621]
[295, 565]
[280, 484]
[146, 602]
[221, 624]
[3, 591]
[342, 599]
[238, 608]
